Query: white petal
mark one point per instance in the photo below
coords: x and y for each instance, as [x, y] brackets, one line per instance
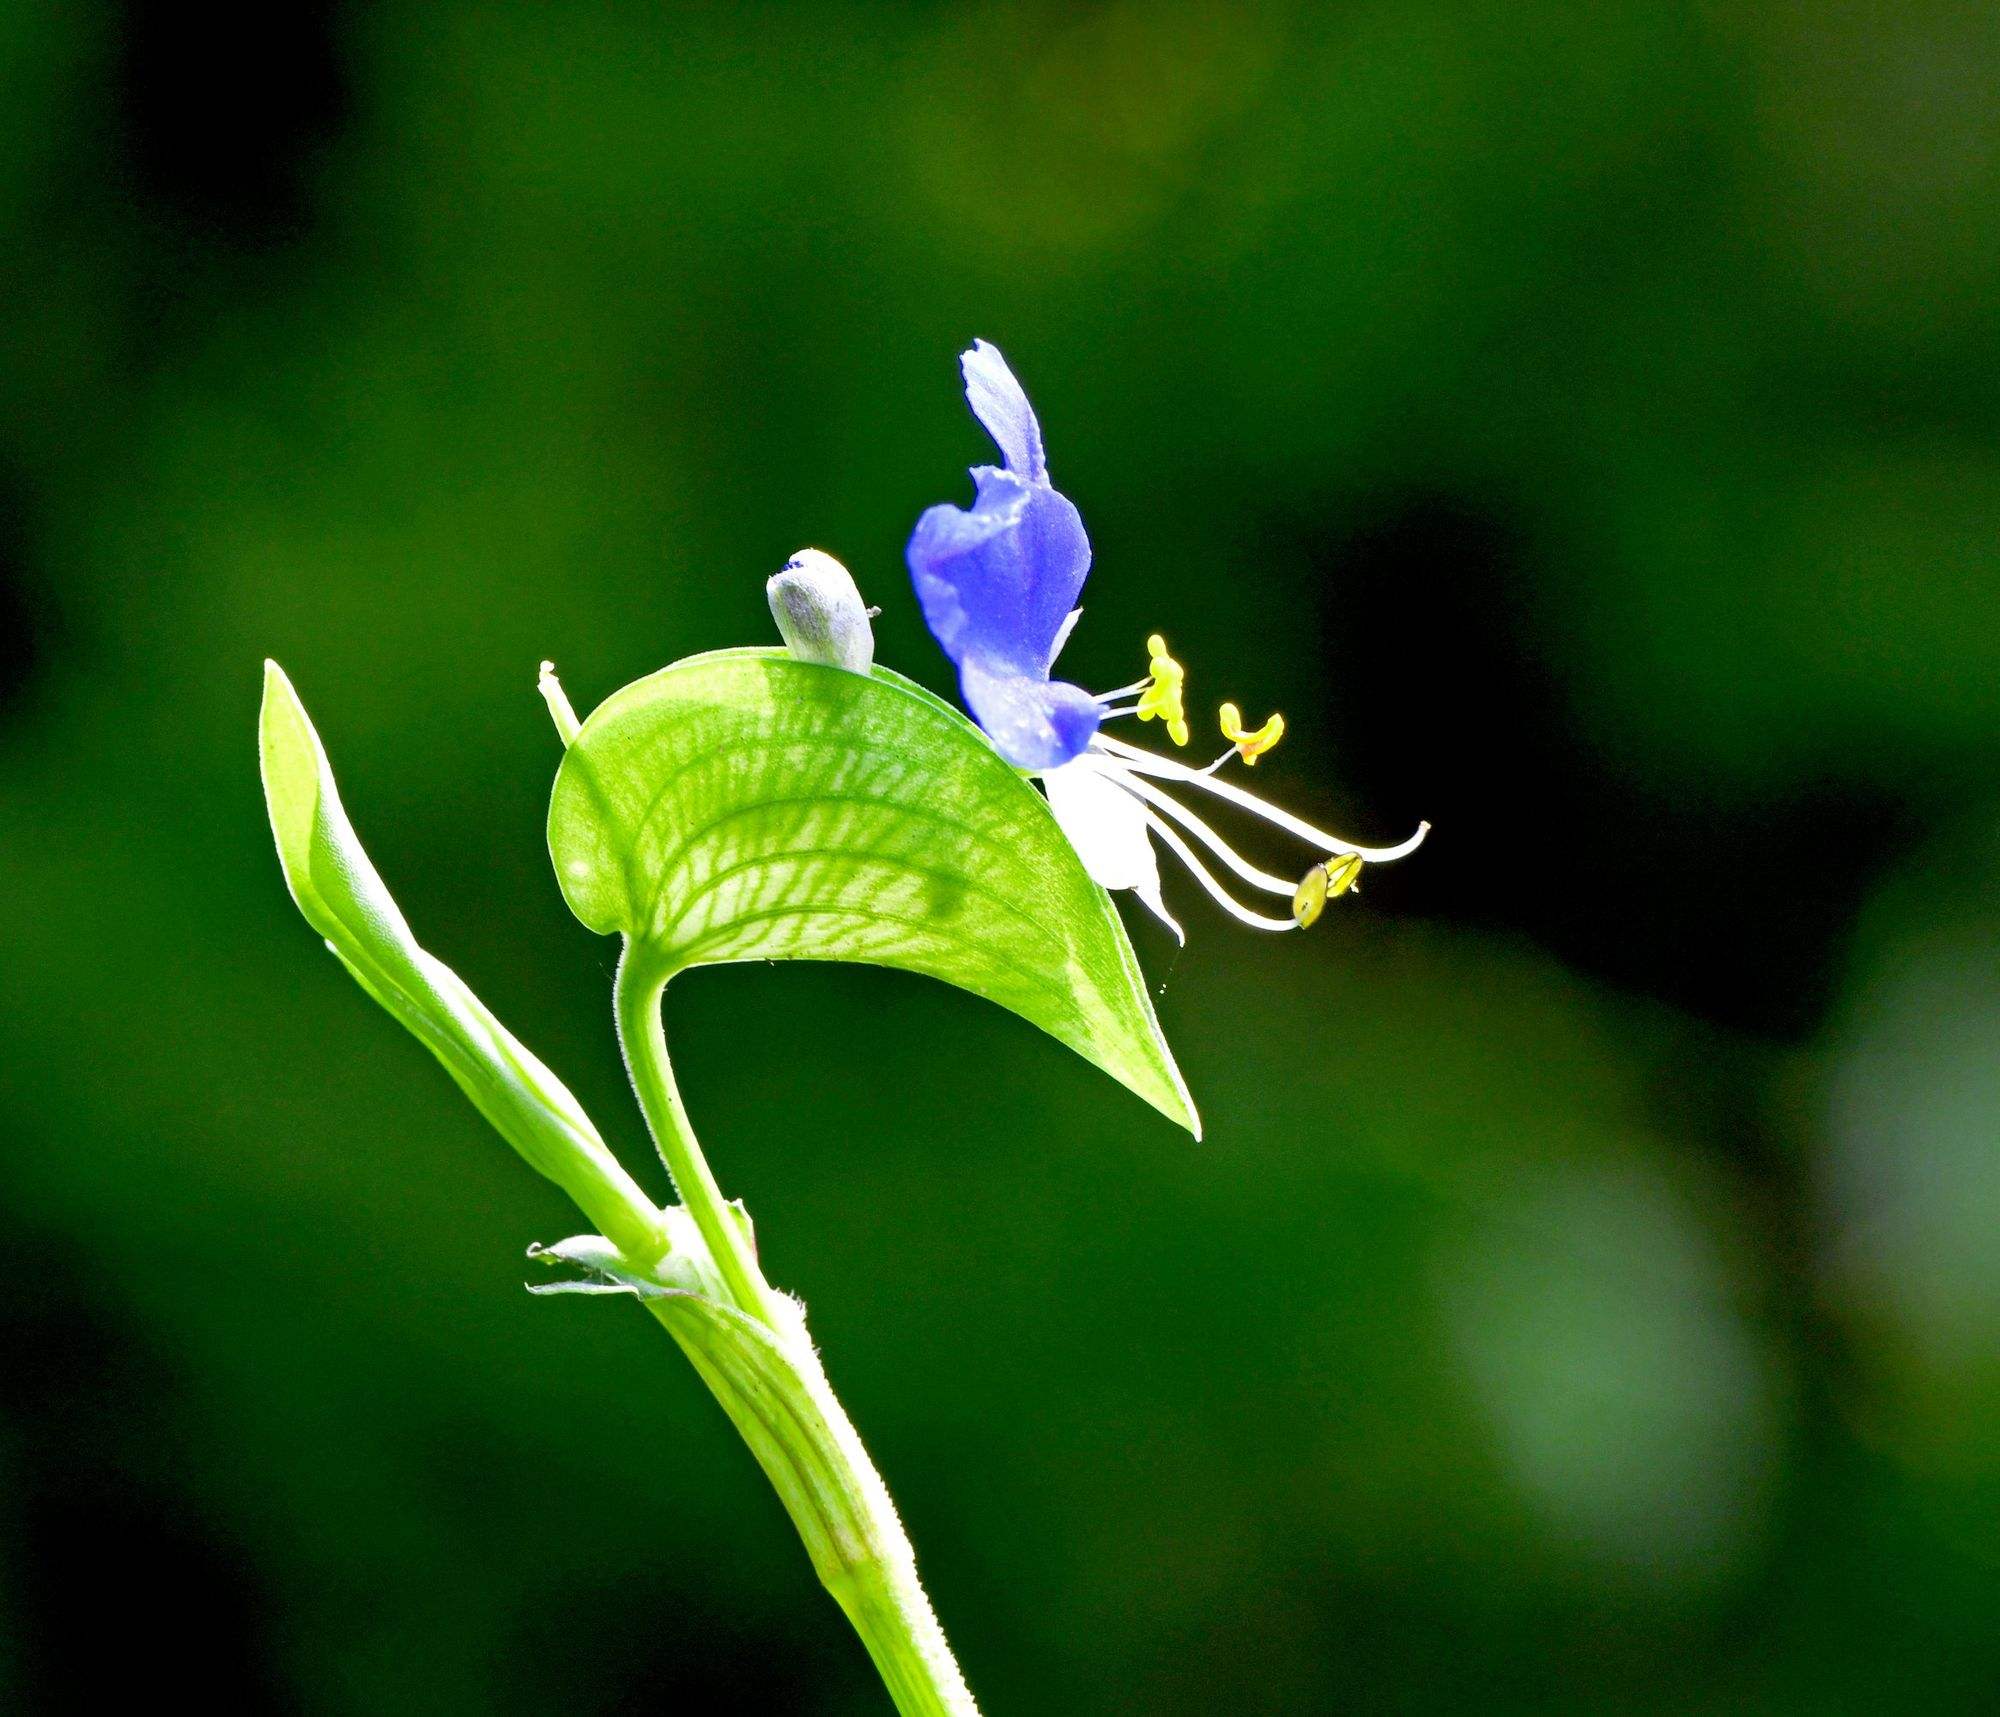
[1105, 824]
[1158, 908]
[1107, 827]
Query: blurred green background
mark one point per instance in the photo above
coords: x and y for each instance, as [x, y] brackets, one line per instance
[1583, 421]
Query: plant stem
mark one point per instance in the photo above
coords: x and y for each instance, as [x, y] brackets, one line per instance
[782, 1405]
[637, 999]
[816, 1463]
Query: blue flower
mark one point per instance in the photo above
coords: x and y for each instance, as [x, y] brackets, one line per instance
[998, 583]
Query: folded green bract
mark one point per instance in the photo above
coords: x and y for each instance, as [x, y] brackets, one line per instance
[747, 806]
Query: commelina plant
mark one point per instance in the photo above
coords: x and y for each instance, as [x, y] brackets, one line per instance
[804, 803]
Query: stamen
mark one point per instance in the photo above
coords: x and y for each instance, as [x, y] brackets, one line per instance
[1123, 691]
[1162, 696]
[1310, 899]
[1207, 836]
[1218, 763]
[1322, 883]
[1250, 745]
[1216, 892]
[1148, 763]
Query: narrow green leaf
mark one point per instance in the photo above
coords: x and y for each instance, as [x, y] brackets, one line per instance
[747, 806]
[343, 898]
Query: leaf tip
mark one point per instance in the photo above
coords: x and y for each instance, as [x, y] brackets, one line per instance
[288, 758]
[277, 684]
[279, 702]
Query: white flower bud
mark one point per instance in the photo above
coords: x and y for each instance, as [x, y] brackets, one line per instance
[820, 614]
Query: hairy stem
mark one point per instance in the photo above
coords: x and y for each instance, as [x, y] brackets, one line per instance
[809, 1450]
[780, 1401]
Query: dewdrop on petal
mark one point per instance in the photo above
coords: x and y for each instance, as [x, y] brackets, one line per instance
[820, 613]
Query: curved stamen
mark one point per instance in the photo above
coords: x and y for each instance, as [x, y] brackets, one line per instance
[1147, 763]
[1256, 878]
[1250, 743]
[1216, 892]
[1162, 698]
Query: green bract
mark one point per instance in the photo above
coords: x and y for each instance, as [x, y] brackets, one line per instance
[747, 806]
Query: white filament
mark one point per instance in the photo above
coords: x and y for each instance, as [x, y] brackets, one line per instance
[1165, 768]
[1216, 892]
[1133, 783]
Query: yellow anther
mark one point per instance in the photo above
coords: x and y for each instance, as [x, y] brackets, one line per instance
[1309, 898]
[1250, 744]
[1162, 698]
[1324, 882]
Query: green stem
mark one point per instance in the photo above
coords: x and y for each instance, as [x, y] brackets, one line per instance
[894, 1618]
[810, 1452]
[782, 1405]
[639, 987]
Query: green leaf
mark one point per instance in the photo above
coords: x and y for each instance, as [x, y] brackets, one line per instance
[344, 899]
[747, 806]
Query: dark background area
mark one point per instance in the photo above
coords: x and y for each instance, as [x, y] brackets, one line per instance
[1583, 422]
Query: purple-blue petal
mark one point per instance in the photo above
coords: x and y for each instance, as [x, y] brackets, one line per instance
[999, 580]
[1034, 723]
[998, 401]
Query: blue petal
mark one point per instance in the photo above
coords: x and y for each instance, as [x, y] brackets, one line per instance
[1000, 580]
[998, 402]
[1034, 723]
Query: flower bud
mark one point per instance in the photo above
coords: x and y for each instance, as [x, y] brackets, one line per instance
[820, 614]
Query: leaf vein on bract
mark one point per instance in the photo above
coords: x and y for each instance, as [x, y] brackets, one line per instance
[1031, 979]
[753, 741]
[953, 878]
[666, 862]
